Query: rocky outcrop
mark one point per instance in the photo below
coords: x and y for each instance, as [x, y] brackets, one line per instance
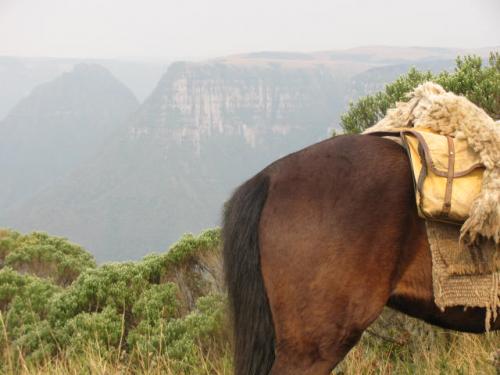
[254, 103]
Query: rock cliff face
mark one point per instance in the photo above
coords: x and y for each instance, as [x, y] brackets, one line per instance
[170, 167]
[194, 102]
[206, 127]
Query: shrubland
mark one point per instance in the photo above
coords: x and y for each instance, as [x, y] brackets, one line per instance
[168, 305]
[166, 314]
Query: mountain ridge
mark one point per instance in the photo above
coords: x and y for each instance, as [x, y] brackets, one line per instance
[170, 166]
[205, 128]
[56, 127]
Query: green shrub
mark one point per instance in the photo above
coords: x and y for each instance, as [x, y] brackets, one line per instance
[25, 292]
[158, 302]
[8, 240]
[155, 305]
[116, 285]
[480, 84]
[104, 330]
[46, 256]
[24, 303]
[202, 329]
[190, 246]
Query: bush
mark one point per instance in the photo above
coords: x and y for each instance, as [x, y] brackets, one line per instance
[202, 329]
[104, 330]
[168, 303]
[480, 84]
[46, 256]
[26, 292]
[25, 304]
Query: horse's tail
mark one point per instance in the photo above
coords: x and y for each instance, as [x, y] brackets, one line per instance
[252, 321]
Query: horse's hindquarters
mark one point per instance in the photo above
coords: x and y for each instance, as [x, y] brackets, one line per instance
[331, 234]
[338, 238]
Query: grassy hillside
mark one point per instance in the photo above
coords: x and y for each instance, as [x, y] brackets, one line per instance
[61, 314]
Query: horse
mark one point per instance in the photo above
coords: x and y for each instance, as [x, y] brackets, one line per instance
[315, 245]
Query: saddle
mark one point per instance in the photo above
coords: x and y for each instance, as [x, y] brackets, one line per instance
[447, 174]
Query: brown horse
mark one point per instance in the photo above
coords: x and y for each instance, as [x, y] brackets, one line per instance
[316, 245]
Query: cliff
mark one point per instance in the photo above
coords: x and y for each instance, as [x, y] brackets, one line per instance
[169, 168]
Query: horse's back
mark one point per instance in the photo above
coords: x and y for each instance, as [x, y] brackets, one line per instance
[352, 182]
[348, 158]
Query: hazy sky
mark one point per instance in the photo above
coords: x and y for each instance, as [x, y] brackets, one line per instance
[203, 28]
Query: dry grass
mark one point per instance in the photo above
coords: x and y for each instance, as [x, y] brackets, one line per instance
[446, 354]
[93, 361]
[395, 344]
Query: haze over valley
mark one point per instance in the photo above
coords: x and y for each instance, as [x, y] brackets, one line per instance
[125, 156]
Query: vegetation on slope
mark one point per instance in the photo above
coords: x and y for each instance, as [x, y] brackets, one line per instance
[44, 256]
[168, 304]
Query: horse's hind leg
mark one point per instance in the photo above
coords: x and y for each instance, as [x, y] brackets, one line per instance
[319, 361]
[283, 366]
[324, 287]
[318, 315]
[321, 301]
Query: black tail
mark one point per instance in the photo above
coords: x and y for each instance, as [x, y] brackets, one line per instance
[253, 326]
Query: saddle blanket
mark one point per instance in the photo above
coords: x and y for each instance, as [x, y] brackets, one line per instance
[459, 279]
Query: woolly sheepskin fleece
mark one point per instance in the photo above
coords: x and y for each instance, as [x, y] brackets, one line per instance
[430, 106]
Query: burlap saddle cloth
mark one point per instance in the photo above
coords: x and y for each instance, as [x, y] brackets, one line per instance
[447, 176]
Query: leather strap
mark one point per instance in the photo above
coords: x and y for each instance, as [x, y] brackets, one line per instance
[428, 156]
[449, 178]
[423, 171]
[421, 177]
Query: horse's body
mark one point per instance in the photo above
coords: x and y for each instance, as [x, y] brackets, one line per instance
[316, 245]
